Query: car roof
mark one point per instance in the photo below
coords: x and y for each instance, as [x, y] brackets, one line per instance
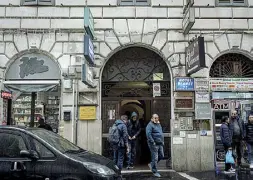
[17, 128]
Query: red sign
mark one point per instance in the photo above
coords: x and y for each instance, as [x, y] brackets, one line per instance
[6, 95]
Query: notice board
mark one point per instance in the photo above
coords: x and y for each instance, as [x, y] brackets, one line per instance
[87, 112]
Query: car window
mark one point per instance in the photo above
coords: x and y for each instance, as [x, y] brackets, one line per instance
[11, 145]
[61, 144]
[43, 151]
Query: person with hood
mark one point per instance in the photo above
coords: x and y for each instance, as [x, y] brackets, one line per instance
[226, 140]
[155, 140]
[237, 130]
[133, 129]
[44, 125]
[119, 138]
[249, 139]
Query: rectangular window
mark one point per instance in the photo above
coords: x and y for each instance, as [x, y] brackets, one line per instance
[37, 2]
[231, 2]
[134, 2]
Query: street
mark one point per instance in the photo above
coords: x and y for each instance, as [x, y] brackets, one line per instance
[190, 176]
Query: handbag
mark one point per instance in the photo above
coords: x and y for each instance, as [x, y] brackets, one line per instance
[229, 158]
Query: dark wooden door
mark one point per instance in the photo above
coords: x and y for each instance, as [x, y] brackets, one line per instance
[110, 112]
[162, 107]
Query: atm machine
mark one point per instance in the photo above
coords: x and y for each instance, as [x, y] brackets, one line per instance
[220, 108]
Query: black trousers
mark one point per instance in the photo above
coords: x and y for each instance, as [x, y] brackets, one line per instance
[227, 165]
[237, 146]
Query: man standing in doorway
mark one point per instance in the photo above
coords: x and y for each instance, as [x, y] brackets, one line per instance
[134, 129]
[155, 140]
[236, 126]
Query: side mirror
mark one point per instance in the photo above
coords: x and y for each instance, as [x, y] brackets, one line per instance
[29, 154]
[24, 153]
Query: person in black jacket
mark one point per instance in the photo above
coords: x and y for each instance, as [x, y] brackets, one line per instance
[249, 139]
[134, 129]
[226, 140]
[237, 130]
[44, 125]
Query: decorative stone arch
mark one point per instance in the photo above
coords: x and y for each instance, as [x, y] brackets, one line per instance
[244, 58]
[125, 46]
[30, 51]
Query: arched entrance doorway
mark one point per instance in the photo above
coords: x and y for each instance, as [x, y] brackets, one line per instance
[231, 79]
[127, 84]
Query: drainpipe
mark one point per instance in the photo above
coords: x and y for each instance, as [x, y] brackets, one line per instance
[73, 111]
[76, 113]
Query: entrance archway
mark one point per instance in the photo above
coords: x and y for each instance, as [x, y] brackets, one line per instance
[129, 75]
[229, 76]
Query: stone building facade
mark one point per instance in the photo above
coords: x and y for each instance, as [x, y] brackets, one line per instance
[58, 31]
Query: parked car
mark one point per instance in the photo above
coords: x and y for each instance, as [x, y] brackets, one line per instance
[34, 153]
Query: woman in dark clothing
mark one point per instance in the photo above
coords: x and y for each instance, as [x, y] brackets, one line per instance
[227, 141]
[249, 139]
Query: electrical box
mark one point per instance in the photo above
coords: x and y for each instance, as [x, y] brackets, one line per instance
[67, 115]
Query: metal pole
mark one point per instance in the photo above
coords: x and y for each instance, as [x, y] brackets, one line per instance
[32, 109]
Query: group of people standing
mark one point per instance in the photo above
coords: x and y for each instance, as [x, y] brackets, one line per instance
[123, 137]
[234, 135]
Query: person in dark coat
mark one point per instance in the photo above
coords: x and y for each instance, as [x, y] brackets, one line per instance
[133, 129]
[237, 130]
[44, 125]
[249, 139]
[226, 140]
[121, 148]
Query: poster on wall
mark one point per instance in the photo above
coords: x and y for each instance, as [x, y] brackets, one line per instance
[231, 84]
[202, 97]
[201, 84]
[203, 111]
[156, 89]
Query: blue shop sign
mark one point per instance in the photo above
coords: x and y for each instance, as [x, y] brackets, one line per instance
[88, 49]
[184, 84]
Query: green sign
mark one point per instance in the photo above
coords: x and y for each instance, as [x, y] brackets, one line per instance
[88, 22]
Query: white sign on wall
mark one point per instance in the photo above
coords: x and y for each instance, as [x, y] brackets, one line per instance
[202, 97]
[201, 84]
[156, 89]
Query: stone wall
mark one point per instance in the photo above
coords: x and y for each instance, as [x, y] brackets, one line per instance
[59, 31]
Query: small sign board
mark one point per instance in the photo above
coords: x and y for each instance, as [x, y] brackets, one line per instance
[201, 84]
[88, 49]
[195, 56]
[6, 95]
[184, 84]
[203, 111]
[87, 112]
[202, 97]
[89, 22]
[183, 103]
[156, 89]
[87, 75]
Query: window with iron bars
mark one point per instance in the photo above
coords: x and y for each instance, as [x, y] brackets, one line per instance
[231, 2]
[134, 2]
[37, 2]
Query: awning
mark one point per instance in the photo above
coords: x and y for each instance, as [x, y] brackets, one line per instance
[31, 85]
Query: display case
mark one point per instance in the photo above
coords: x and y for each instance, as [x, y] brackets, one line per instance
[52, 112]
[22, 110]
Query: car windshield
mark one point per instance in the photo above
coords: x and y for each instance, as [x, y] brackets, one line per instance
[57, 141]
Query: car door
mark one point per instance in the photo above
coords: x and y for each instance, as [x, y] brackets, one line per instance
[12, 165]
[46, 162]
